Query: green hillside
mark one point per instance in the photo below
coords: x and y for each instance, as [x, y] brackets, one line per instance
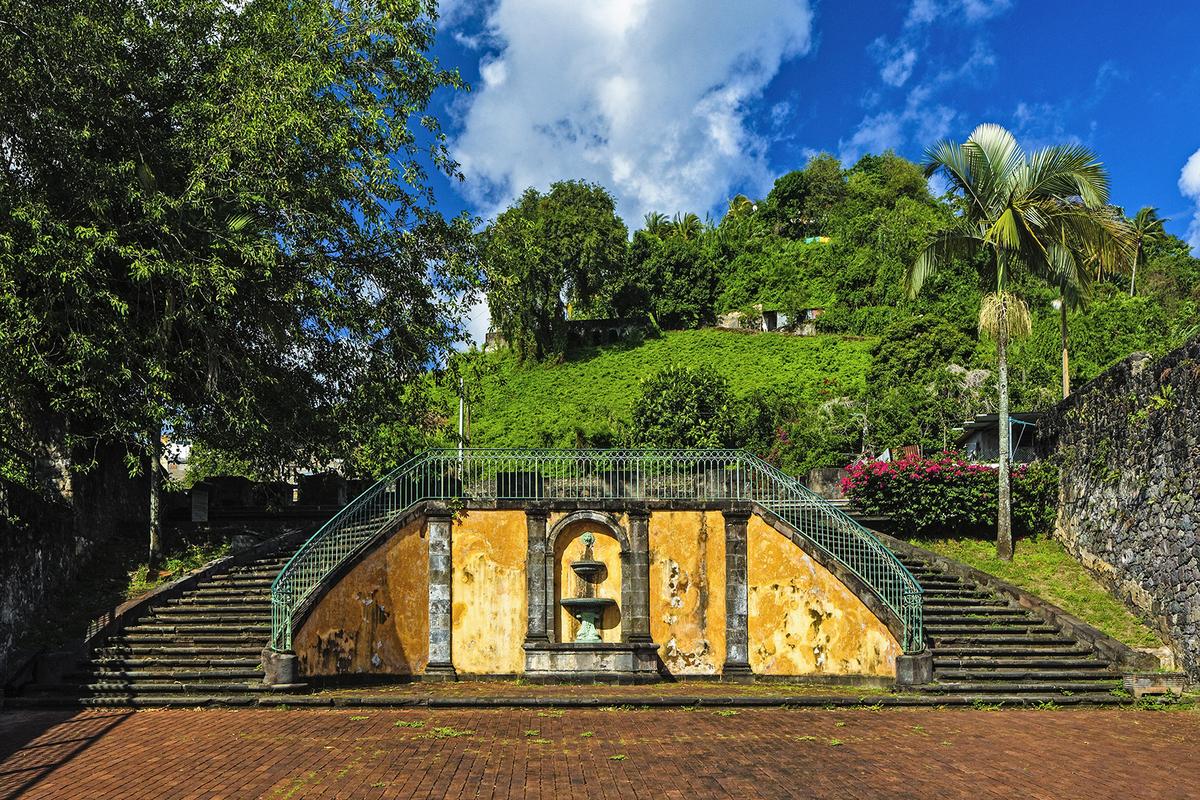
[587, 398]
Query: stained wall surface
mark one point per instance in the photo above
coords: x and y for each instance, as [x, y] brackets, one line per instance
[376, 619]
[803, 620]
[687, 590]
[488, 550]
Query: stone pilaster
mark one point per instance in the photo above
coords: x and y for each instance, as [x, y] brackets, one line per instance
[536, 577]
[737, 645]
[635, 594]
[440, 665]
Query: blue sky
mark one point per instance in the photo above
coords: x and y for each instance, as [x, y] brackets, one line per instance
[678, 105]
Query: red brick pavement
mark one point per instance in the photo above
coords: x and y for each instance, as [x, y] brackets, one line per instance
[859, 753]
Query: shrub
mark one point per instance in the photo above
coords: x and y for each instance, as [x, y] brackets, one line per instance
[684, 407]
[947, 495]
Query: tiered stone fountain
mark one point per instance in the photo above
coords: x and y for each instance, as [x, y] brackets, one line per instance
[586, 607]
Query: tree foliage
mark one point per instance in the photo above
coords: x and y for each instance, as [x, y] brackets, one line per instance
[548, 254]
[683, 407]
[215, 217]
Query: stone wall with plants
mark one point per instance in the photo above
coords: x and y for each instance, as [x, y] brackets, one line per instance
[1128, 449]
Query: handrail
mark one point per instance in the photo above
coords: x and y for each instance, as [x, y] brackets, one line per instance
[545, 474]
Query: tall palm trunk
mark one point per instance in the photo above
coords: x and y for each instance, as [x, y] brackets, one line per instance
[1062, 332]
[155, 550]
[1004, 542]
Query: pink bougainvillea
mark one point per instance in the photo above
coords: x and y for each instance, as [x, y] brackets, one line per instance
[946, 494]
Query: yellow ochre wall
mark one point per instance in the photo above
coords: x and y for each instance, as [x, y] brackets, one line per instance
[569, 547]
[376, 619]
[687, 590]
[488, 617]
[802, 620]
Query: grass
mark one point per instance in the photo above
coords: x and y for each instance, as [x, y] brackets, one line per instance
[176, 565]
[588, 398]
[1042, 566]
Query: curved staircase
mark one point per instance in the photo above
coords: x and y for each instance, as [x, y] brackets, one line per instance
[986, 648]
[203, 646]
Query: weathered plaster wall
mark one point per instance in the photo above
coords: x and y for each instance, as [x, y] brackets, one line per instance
[687, 590]
[376, 619]
[488, 549]
[1128, 447]
[802, 620]
[569, 547]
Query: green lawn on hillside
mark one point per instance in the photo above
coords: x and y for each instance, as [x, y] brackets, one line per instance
[1042, 566]
[587, 399]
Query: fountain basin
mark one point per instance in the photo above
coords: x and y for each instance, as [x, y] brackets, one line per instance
[587, 568]
[586, 603]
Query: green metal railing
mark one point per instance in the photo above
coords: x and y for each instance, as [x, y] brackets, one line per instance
[580, 475]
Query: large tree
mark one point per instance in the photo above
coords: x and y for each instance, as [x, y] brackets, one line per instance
[1040, 213]
[547, 255]
[215, 220]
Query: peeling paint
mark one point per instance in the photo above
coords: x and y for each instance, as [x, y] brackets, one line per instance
[376, 619]
[803, 620]
[687, 590]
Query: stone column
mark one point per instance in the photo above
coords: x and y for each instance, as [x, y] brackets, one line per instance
[535, 576]
[737, 646]
[440, 665]
[635, 594]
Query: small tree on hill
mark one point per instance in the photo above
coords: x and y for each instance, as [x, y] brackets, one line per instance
[683, 407]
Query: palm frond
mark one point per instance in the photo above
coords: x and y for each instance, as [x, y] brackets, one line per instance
[950, 158]
[945, 246]
[1067, 171]
[995, 159]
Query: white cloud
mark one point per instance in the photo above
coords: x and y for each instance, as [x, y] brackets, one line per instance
[922, 119]
[896, 60]
[1189, 185]
[648, 99]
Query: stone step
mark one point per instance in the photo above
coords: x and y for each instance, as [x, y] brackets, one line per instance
[184, 675]
[246, 649]
[1010, 650]
[1020, 662]
[149, 687]
[257, 610]
[188, 601]
[120, 663]
[1009, 687]
[236, 583]
[189, 621]
[256, 627]
[979, 638]
[943, 630]
[967, 606]
[207, 592]
[972, 594]
[990, 674]
[985, 618]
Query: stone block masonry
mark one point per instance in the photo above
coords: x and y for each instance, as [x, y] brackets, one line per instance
[1128, 446]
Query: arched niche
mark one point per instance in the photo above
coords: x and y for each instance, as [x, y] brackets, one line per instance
[565, 544]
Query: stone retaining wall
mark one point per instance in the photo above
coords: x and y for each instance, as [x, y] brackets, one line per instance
[1128, 444]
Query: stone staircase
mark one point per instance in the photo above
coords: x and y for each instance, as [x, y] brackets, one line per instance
[203, 646]
[987, 648]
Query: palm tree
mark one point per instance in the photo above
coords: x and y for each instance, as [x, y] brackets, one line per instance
[1033, 212]
[1147, 229]
[686, 226]
[656, 223]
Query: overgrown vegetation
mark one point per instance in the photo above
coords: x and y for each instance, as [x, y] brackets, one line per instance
[1043, 567]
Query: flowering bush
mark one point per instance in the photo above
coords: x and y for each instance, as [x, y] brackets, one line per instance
[946, 495]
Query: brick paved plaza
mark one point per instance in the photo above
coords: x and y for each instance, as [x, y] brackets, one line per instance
[619, 753]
